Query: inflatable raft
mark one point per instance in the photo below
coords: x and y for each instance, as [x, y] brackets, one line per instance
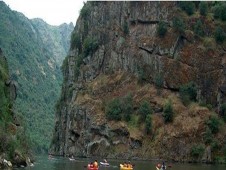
[125, 168]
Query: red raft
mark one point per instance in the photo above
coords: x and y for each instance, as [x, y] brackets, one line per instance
[91, 167]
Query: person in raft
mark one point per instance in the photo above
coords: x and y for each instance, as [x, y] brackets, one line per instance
[95, 164]
[127, 165]
[163, 165]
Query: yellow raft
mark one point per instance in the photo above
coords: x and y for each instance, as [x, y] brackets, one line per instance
[125, 168]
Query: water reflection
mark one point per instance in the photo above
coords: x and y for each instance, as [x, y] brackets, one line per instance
[59, 163]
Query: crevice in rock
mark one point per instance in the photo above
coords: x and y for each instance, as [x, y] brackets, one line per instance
[178, 44]
[150, 51]
[140, 21]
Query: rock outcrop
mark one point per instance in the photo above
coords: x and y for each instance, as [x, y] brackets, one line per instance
[14, 149]
[114, 44]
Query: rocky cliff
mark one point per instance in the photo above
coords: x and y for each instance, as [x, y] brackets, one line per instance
[14, 147]
[118, 50]
[35, 52]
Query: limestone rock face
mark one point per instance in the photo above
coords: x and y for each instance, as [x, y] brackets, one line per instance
[128, 46]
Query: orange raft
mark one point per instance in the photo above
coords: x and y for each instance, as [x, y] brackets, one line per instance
[125, 168]
[91, 167]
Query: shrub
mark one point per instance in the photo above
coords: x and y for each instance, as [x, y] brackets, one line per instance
[188, 92]
[142, 76]
[178, 24]
[85, 11]
[219, 11]
[127, 107]
[198, 28]
[159, 80]
[219, 35]
[214, 124]
[75, 41]
[215, 145]
[64, 66]
[144, 110]
[114, 110]
[126, 27]
[208, 136]
[162, 29]
[168, 112]
[203, 8]
[120, 108]
[148, 124]
[223, 13]
[90, 45]
[188, 7]
[224, 151]
[197, 151]
[223, 111]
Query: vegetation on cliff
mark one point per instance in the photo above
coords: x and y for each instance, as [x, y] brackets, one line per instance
[149, 90]
[35, 51]
[14, 143]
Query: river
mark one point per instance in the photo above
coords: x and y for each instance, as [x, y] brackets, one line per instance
[60, 163]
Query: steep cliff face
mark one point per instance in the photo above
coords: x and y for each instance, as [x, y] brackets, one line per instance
[35, 51]
[113, 47]
[13, 140]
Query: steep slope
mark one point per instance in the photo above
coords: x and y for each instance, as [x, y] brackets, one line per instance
[13, 140]
[35, 51]
[133, 81]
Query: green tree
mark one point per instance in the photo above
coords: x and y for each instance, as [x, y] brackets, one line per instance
[168, 112]
[85, 11]
[144, 110]
[197, 151]
[162, 29]
[148, 124]
[178, 24]
[223, 111]
[187, 6]
[76, 41]
[219, 35]
[198, 28]
[214, 124]
[90, 45]
[113, 110]
[142, 76]
[208, 136]
[219, 11]
[126, 27]
[188, 92]
[203, 8]
[127, 108]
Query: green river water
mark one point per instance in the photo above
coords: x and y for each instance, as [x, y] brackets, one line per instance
[60, 163]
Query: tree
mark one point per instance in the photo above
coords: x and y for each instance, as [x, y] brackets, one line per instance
[219, 35]
[168, 112]
[127, 108]
[197, 151]
[144, 110]
[188, 92]
[203, 8]
[187, 6]
[126, 27]
[148, 124]
[219, 11]
[75, 41]
[223, 111]
[85, 11]
[214, 124]
[114, 110]
[198, 28]
[178, 24]
[162, 29]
